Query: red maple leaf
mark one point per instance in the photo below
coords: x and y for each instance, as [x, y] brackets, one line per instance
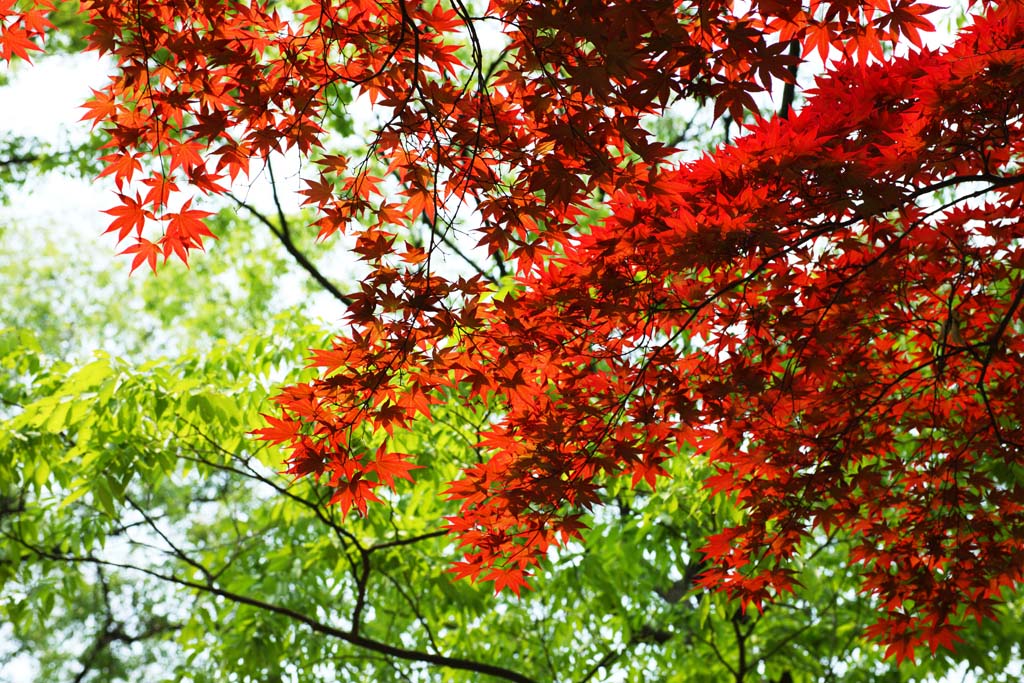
[129, 216]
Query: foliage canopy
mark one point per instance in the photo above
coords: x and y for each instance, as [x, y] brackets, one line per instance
[823, 314]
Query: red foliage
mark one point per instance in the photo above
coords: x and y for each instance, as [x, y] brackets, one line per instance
[827, 310]
[21, 30]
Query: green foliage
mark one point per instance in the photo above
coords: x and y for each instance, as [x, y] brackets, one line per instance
[23, 159]
[62, 286]
[145, 537]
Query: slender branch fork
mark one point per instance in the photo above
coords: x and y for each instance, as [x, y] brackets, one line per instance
[208, 582]
[350, 636]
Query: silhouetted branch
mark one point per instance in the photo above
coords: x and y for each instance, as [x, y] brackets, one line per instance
[313, 624]
[283, 235]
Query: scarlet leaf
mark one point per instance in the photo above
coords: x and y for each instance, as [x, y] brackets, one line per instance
[145, 252]
[825, 308]
[129, 217]
[389, 466]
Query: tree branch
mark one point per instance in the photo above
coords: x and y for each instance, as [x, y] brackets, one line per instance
[299, 617]
[283, 235]
[789, 90]
[408, 541]
[20, 159]
[458, 252]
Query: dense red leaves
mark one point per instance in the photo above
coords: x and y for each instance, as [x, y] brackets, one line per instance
[828, 309]
[800, 307]
[204, 88]
[22, 29]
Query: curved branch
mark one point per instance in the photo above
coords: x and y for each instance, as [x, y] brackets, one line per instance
[993, 344]
[316, 626]
[407, 541]
[92, 653]
[21, 160]
[789, 91]
[417, 612]
[284, 237]
[609, 658]
[362, 579]
[446, 241]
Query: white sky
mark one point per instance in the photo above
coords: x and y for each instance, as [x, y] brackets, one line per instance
[43, 101]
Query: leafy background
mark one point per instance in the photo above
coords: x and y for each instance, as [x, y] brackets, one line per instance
[145, 536]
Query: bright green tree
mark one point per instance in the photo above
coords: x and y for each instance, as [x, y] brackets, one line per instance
[145, 536]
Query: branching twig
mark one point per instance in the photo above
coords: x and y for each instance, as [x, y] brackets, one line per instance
[283, 235]
[299, 617]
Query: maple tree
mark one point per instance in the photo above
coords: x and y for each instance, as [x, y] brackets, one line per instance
[825, 309]
[102, 453]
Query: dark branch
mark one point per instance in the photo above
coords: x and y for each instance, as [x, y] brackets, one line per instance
[408, 541]
[283, 235]
[22, 159]
[458, 252]
[299, 617]
[789, 91]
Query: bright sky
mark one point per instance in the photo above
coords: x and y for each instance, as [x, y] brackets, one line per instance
[42, 101]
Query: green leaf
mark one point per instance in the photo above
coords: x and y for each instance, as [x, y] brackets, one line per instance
[101, 493]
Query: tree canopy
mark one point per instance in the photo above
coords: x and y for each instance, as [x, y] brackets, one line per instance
[787, 364]
[145, 538]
